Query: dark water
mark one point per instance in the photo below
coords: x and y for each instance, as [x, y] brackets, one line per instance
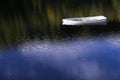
[35, 46]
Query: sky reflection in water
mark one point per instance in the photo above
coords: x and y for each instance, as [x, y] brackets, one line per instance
[90, 59]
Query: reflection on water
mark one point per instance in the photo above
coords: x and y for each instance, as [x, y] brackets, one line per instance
[88, 59]
[35, 46]
[24, 19]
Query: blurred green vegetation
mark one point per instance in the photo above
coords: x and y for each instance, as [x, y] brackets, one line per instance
[24, 19]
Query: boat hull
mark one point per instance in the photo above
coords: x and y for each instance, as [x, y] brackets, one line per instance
[97, 20]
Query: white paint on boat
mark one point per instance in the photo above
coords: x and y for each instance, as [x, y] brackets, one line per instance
[95, 20]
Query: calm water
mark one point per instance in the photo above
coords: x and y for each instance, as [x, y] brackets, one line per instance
[35, 46]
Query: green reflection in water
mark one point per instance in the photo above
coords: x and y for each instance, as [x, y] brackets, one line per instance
[23, 19]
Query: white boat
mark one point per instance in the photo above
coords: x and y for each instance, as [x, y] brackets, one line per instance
[94, 20]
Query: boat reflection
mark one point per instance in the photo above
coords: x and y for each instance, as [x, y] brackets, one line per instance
[93, 31]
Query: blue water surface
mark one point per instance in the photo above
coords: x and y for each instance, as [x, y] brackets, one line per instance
[79, 59]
